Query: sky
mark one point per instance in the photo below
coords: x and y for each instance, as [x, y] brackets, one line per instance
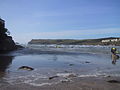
[61, 19]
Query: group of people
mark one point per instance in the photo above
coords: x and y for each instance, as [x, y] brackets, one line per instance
[114, 55]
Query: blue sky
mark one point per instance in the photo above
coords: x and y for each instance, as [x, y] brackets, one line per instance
[61, 19]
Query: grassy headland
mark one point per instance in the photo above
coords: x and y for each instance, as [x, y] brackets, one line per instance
[100, 41]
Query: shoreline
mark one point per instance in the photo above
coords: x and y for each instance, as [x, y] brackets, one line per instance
[60, 71]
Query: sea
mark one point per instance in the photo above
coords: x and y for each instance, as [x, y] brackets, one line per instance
[56, 60]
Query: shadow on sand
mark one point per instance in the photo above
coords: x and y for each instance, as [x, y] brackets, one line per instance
[5, 62]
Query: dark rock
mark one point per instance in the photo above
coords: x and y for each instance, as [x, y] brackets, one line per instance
[26, 68]
[113, 81]
[19, 47]
[6, 42]
[52, 77]
[71, 64]
[108, 76]
[87, 62]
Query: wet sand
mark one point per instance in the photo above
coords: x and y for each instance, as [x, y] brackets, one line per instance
[88, 83]
[56, 70]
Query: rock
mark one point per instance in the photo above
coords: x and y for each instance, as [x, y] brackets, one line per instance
[6, 42]
[108, 76]
[87, 62]
[52, 77]
[26, 68]
[71, 64]
[19, 47]
[113, 81]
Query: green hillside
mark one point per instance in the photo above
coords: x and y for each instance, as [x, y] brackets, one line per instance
[100, 41]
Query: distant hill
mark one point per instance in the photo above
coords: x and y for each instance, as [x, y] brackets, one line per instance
[100, 41]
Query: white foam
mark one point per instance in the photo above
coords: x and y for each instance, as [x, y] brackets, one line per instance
[87, 76]
[41, 84]
[65, 74]
[25, 78]
[32, 82]
[94, 75]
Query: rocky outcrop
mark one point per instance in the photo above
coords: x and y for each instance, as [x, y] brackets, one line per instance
[6, 41]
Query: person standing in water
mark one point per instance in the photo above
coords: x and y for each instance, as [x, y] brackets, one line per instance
[114, 55]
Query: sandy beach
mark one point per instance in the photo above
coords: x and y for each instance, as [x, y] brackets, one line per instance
[83, 68]
[76, 84]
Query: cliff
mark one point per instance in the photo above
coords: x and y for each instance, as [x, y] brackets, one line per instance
[100, 41]
[6, 41]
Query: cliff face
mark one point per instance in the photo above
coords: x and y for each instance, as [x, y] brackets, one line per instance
[6, 42]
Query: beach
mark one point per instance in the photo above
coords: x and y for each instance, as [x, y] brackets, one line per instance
[63, 68]
[76, 84]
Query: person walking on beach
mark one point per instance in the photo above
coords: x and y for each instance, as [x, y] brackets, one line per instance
[114, 55]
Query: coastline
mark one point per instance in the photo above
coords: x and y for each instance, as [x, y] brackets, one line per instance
[56, 70]
[100, 41]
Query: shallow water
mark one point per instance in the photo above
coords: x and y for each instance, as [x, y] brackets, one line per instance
[83, 61]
